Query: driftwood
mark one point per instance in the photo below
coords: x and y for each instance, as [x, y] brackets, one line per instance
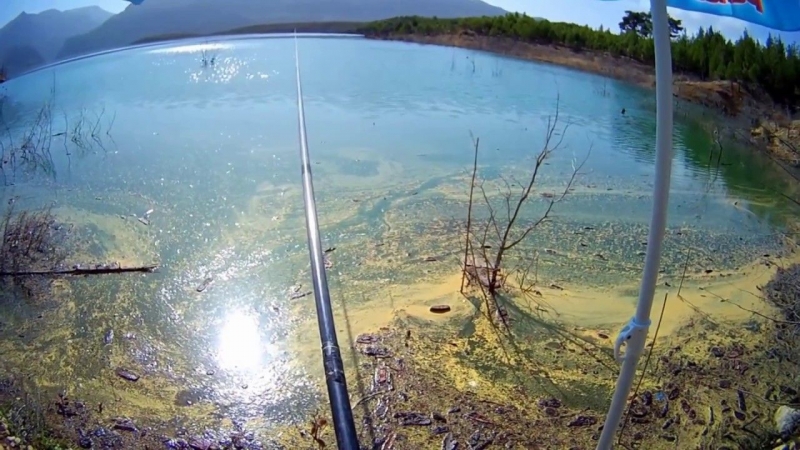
[81, 271]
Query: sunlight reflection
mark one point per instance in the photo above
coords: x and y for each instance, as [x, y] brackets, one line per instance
[193, 48]
[240, 346]
[223, 70]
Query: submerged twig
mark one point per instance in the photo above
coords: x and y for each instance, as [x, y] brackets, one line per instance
[82, 271]
[763, 316]
[644, 370]
[366, 398]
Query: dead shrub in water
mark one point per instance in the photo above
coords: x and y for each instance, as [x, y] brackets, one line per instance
[32, 241]
[26, 145]
[502, 232]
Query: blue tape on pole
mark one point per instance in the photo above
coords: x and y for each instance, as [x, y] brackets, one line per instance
[783, 15]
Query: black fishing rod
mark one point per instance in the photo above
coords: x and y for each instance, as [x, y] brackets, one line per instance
[343, 424]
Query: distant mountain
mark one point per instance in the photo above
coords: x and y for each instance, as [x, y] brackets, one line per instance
[202, 17]
[44, 34]
[19, 59]
[11, 8]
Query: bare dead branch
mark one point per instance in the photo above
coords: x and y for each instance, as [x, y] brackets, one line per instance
[492, 216]
[469, 211]
[550, 205]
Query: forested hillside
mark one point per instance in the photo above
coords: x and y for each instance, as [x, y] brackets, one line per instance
[774, 67]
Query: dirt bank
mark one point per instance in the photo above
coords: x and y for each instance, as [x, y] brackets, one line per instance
[757, 120]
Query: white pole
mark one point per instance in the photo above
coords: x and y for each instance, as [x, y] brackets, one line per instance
[634, 334]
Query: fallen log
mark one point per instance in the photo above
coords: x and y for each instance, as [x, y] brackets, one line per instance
[82, 271]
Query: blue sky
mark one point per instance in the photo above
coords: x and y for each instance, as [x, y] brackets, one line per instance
[587, 12]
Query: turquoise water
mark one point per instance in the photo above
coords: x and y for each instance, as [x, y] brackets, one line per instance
[213, 151]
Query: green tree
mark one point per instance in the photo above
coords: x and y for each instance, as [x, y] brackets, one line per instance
[636, 22]
[675, 27]
[642, 24]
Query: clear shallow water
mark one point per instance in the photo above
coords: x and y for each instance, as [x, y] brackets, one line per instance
[213, 151]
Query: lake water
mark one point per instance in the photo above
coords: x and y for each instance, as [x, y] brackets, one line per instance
[212, 149]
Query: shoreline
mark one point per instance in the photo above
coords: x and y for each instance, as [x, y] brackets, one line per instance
[755, 120]
[587, 61]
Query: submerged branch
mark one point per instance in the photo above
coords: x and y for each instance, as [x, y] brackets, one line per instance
[82, 271]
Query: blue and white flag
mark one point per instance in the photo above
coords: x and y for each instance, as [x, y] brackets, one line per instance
[781, 15]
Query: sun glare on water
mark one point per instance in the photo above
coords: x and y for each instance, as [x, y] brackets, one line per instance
[193, 48]
[240, 346]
